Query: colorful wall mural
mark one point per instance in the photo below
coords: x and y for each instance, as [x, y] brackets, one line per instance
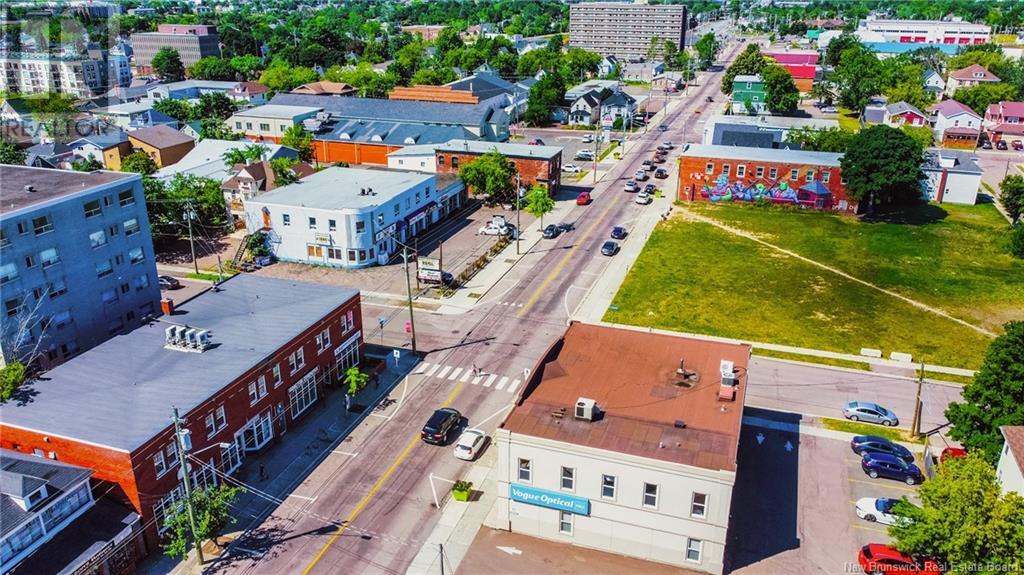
[724, 190]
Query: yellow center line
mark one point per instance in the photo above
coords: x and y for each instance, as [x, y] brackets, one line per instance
[366, 500]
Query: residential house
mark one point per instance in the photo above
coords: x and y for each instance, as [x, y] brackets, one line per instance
[1010, 469]
[268, 123]
[56, 155]
[801, 64]
[584, 110]
[619, 106]
[325, 88]
[16, 110]
[134, 115]
[641, 71]
[485, 85]
[574, 93]
[972, 75]
[206, 159]
[748, 95]
[609, 66]
[903, 114]
[253, 179]
[249, 92]
[875, 110]
[190, 90]
[108, 148]
[163, 144]
[1005, 119]
[668, 81]
[955, 124]
[934, 84]
[192, 130]
[951, 176]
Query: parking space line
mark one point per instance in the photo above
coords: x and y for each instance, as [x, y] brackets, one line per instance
[501, 383]
[867, 528]
[465, 376]
[444, 371]
[433, 369]
[881, 484]
[515, 384]
[422, 367]
[490, 380]
[455, 374]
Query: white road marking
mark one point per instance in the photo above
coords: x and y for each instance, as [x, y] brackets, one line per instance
[444, 371]
[349, 453]
[455, 374]
[387, 417]
[422, 367]
[465, 376]
[476, 380]
[490, 380]
[512, 388]
[302, 497]
[501, 383]
[433, 369]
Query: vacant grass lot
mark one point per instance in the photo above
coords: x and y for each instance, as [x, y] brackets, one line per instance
[694, 277]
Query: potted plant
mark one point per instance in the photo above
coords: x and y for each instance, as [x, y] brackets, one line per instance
[461, 489]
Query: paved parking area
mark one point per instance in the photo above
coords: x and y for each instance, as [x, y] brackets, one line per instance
[793, 505]
[188, 290]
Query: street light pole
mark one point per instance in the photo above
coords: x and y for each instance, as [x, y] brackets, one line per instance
[189, 214]
[408, 291]
[187, 482]
[519, 228]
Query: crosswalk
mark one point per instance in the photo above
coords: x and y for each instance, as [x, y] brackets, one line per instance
[462, 374]
[509, 303]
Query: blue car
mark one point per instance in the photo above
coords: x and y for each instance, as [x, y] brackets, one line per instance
[619, 233]
[889, 466]
[862, 444]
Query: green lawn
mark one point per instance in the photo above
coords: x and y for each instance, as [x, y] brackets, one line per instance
[849, 120]
[694, 277]
[866, 429]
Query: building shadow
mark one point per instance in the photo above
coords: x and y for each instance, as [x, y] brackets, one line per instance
[763, 519]
[907, 215]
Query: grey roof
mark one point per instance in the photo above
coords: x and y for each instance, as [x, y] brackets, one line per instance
[22, 474]
[103, 140]
[774, 121]
[514, 150]
[958, 161]
[206, 159]
[762, 154]
[398, 110]
[485, 85]
[527, 83]
[121, 392]
[48, 185]
[747, 78]
[590, 98]
[874, 114]
[339, 188]
[276, 110]
[619, 99]
[902, 108]
[395, 133]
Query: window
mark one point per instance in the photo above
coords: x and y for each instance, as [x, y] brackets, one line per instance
[30, 261]
[524, 470]
[568, 478]
[286, 219]
[257, 390]
[398, 208]
[332, 225]
[302, 394]
[759, 172]
[60, 319]
[131, 227]
[126, 198]
[650, 495]
[335, 253]
[565, 522]
[42, 224]
[351, 255]
[693, 549]
[49, 257]
[22, 228]
[92, 208]
[109, 296]
[360, 226]
[826, 176]
[104, 269]
[159, 464]
[248, 125]
[710, 168]
[13, 306]
[455, 162]
[417, 198]
[141, 282]
[264, 127]
[362, 255]
[211, 425]
[297, 360]
[230, 457]
[608, 486]
[773, 173]
[699, 505]
[277, 374]
[136, 256]
[809, 176]
[726, 169]
[741, 171]
[426, 190]
[794, 174]
[112, 231]
[4, 242]
[323, 340]
[238, 125]
[440, 160]
[97, 239]
[312, 223]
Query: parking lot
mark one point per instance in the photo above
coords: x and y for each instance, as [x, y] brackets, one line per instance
[793, 503]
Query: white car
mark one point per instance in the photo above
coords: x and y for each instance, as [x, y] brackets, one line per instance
[571, 169]
[588, 139]
[492, 230]
[878, 509]
[632, 187]
[643, 198]
[640, 175]
[470, 444]
[584, 156]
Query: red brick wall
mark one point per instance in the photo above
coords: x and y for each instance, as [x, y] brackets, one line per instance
[532, 171]
[695, 179]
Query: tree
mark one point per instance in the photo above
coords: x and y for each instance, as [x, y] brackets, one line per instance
[433, 76]
[297, 138]
[211, 68]
[781, 94]
[883, 166]
[910, 92]
[216, 129]
[214, 105]
[448, 39]
[989, 56]
[283, 77]
[491, 175]
[539, 202]
[1011, 196]
[167, 64]
[749, 62]
[355, 380]
[923, 135]
[707, 50]
[283, 172]
[545, 95]
[180, 110]
[978, 98]
[212, 509]
[823, 91]
[964, 519]
[244, 155]
[1017, 241]
[834, 140]
[10, 153]
[858, 77]
[12, 376]
[578, 64]
[995, 397]
[246, 66]
[87, 164]
[256, 245]
[837, 46]
[138, 162]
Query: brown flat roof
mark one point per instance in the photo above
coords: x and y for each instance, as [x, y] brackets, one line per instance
[1014, 436]
[49, 184]
[632, 377]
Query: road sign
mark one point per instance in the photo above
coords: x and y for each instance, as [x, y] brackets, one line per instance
[430, 275]
[607, 122]
[430, 264]
[397, 353]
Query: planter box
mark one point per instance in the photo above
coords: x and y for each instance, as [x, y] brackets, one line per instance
[460, 495]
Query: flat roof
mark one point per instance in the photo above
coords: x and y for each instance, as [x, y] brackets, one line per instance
[49, 184]
[773, 121]
[762, 154]
[516, 150]
[276, 111]
[963, 161]
[338, 188]
[640, 400]
[399, 110]
[206, 159]
[121, 392]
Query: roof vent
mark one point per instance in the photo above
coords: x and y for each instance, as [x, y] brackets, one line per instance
[586, 409]
[370, 192]
[362, 191]
[184, 338]
[30, 188]
[680, 424]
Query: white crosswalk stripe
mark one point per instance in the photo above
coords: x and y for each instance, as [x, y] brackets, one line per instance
[512, 388]
[444, 371]
[422, 367]
[501, 383]
[455, 374]
[476, 380]
[490, 380]
[465, 376]
[433, 369]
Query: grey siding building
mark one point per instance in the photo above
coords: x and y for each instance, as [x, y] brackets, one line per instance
[625, 30]
[76, 261]
[191, 41]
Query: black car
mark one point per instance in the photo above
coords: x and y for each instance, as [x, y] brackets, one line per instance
[986, 145]
[864, 444]
[661, 173]
[650, 188]
[663, 127]
[565, 227]
[440, 425]
[167, 282]
[1001, 145]
[551, 231]
[609, 248]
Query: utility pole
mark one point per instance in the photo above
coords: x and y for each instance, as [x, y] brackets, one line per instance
[408, 291]
[597, 140]
[190, 213]
[416, 252]
[179, 436]
[519, 228]
[440, 547]
[915, 426]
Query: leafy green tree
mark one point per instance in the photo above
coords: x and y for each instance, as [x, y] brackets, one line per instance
[246, 66]
[283, 172]
[921, 134]
[214, 105]
[256, 245]
[910, 92]
[244, 155]
[965, 519]
[580, 64]
[980, 97]
[989, 56]
[433, 76]
[1011, 196]
[858, 77]
[447, 40]
[355, 380]
[212, 508]
[166, 203]
[994, 398]
[491, 175]
[707, 48]
[545, 95]
[10, 153]
[283, 77]
[88, 164]
[180, 110]
[838, 45]
[835, 140]
[368, 82]
[539, 202]
[781, 94]
[749, 62]
[167, 64]
[823, 91]
[536, 60]
[216, 129]
[139, 163]
[1017, 241]
[297, 138]
[883, 166]
[12, 376]
[211, 68]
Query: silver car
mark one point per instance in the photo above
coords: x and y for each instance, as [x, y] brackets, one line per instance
[869, 412]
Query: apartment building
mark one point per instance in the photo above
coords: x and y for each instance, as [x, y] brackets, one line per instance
[79, 75]
[191, 41]
[582, 461]
[625, 30]
[76, 261]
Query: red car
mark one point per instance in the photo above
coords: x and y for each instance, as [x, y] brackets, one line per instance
[1017, 145]
[951, 452]
[876, 558]
[583, 199]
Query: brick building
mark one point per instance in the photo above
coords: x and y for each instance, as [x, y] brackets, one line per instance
[535, 164]
[242, 364]
[729, 173]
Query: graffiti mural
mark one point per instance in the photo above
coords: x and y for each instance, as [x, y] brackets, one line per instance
[814, 195]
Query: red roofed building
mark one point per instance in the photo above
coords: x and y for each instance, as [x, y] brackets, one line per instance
[1005, 119]
[251, 92]
[596, 448]
[955, 124]
[803, 66]
[967, 77]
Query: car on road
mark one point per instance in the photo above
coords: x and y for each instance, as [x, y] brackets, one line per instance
[490, 229]
[830, 110]
[609, 248]
[667, 145]
[884, 559]
[709, 99]
[584, 156]
[862, 444]
[643, 198]
[618, 233]
[952, 453]
[571, 169]
[870, 413]
[632, 186]
[659, 158]
[1001, 145]
[588, 139]
[650, 189]
[661, 173]
[440, 425]
[877, 465]
[551, 232]
[663, 149]
[649, 165]
[878, 510]
[168, 282]
[535, 142]
[1017, 145]
[564, 227]
[583, 199]
[986, 145]
[663, 127]
[641, 175]
[470, 444]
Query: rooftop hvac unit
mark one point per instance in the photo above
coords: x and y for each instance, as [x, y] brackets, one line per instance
[585, 409]
[171, 334]
[190, 337]
[728, 374]
[179, 334]
[203, 339]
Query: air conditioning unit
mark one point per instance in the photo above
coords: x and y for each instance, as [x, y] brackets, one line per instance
[179, 335]
[203, 339]
[585, 409]
[171, 334]
[727, 368]
[190, 337]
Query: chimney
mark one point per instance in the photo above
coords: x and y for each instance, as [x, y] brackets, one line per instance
[167, 306]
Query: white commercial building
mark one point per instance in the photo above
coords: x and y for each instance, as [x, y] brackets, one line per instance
[924, 31]
[587, 457]
[1010, 471]
[951, 176]
[348, 217]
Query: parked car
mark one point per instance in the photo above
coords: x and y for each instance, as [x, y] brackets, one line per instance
[584, 156]
[661, 173]
[870, 413]
[618, 233]
[551, 232]
[889, 466]
[986, 145]
[1001, 145]
[490, 229]
[609, 248]
[571, 169]
[632, 186]
[659, 159]
[650, 189]
[877, 510]
[167, 282]
[952, 453]
[440, 425]
[862, 444]
[470, 444]
[663, 127]
[641, 175]
[878, 558]
[588, 139]
[830, 110]
[535, 142]
[583, 199]
[564, 227]
[643, 198]
[649, 165]
[663, 149]
[667, 145]
[1017, 145]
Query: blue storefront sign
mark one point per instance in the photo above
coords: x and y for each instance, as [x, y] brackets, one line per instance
[550, 499]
